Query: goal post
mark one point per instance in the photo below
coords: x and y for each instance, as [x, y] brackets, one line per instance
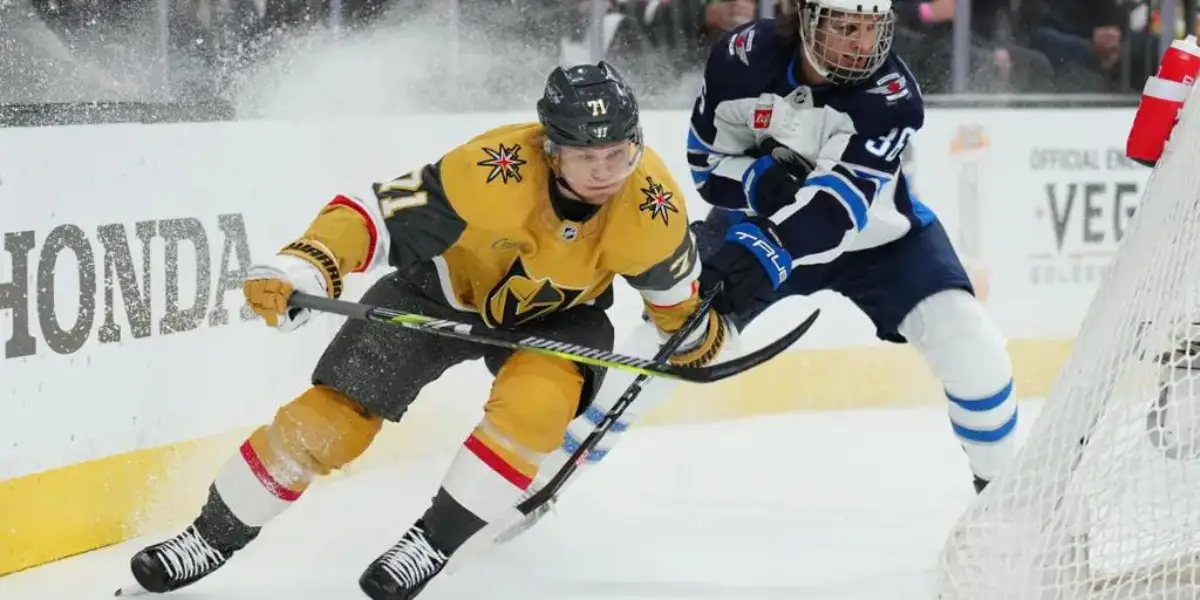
[1103, 499]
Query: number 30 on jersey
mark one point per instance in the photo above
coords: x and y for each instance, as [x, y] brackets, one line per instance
[891, 145]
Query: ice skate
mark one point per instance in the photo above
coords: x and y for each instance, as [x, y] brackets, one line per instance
[404, 570]
[174, 564]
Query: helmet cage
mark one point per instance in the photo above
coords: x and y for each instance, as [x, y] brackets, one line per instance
[828, 36]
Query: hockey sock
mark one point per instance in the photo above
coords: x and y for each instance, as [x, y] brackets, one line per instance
[532, 400]
[984, 425]
[321, 430]
[251, 491]
[966, 351]
[480, 485]
[218, 525]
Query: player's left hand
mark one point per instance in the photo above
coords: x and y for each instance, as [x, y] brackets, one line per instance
[703, 344]
[751, 264]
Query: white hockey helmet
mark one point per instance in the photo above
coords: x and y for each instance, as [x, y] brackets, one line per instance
[845, 41]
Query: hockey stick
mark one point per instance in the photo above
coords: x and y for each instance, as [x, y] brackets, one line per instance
[559, 479]
[544, 495]
[574, 352]
[517, 514]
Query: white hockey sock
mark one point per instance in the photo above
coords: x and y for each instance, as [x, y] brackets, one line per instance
[251, 492]
[967, 352]
[985, 426]
[482, 482]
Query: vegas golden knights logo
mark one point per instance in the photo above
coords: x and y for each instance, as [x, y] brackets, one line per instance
[520, 298]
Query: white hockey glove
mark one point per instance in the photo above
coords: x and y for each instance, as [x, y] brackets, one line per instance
[269, 286]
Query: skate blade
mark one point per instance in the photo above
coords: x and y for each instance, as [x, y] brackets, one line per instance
[513, 532]
[130, 591]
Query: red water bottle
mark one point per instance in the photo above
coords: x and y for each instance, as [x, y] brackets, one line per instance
[1162, 100]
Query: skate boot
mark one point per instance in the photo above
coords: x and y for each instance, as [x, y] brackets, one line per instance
[404, 570]
[173, 564]
[205, 546]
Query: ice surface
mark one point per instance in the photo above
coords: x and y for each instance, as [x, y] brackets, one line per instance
[829, 506]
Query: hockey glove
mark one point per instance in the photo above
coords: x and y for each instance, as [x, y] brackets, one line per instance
[797, 165]
[772, 180]
[752, 264]
[702, 345]
[268, 287]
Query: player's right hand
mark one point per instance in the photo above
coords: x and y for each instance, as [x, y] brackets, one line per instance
[268, 287]
[751, 265]
[797, 165]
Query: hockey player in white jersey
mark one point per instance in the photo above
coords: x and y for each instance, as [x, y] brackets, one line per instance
[796, 141]
[824, 205]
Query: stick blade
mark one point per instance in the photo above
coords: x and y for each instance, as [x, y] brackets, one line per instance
[746, 362]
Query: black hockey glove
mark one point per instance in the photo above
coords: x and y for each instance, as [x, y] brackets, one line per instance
[773, 179]
[797, 166]
[752, 264]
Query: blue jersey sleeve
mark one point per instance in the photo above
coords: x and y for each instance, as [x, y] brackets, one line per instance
[741, 65]
[858, 164]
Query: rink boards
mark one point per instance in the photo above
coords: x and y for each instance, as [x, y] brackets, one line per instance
[131, 368]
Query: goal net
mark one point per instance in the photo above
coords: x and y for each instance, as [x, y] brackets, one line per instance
[1103, 501]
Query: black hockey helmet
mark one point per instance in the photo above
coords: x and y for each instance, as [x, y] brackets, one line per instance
[588, 105]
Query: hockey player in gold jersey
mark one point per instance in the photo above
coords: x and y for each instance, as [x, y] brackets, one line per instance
[525, 226]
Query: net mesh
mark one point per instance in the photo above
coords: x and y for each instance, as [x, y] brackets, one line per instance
[1103, 500]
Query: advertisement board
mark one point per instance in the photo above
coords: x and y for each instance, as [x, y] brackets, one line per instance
[1040, 198]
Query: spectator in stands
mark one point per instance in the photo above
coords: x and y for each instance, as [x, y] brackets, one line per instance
[721, 16]
[1082, 39]
[658, 45]
[924, 38]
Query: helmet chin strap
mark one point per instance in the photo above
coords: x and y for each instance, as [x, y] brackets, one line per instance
[560, 180]
[813, 61]
[566, 186]
[808, 54]
[551, 149]
[566, 207]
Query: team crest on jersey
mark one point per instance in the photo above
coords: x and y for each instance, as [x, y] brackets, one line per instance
[521, 297]
[658, 201]
[741, 44]
[892, 87]
[505, 163]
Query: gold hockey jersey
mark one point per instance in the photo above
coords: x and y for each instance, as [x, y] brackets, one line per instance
[483, 218]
